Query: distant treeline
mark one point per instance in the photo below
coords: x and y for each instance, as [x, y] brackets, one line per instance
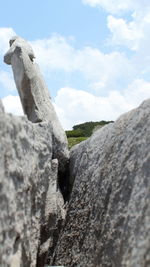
[85, 129]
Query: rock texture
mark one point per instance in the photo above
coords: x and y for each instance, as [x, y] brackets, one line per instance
[108, 215]
[30, 202]
[34, 95]
[108, 218]
[1, 107]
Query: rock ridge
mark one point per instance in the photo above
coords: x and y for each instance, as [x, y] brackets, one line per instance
[108, 218]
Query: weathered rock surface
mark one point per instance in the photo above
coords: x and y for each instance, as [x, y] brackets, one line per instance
[30, 203]
[34, 94]
[17, 41]
[1, 106]
[108, 218]
[33, 161]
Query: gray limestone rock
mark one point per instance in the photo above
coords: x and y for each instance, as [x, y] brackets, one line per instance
[14, 42]
[30, 202]
[34, 95]
[1, 107]
[108, 218]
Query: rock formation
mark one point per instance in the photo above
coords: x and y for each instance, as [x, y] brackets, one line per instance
[30, 202]
[33, 161]
[1, 107]
[108, 218]
[34, 94]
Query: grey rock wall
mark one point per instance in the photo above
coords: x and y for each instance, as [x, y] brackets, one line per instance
[108, 217]
[33, 161]
[31, 206]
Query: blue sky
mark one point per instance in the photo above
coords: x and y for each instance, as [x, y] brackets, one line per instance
[94, 54]
[40, 19]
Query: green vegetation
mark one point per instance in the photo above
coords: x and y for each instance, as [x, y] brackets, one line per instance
[72, 141]
[88, 127]
[75, 133]
[82, 131]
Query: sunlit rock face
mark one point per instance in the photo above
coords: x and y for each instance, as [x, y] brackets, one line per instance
[30, 202]
[34, 95]
[108, 218]
[106, 221]
[33, 161]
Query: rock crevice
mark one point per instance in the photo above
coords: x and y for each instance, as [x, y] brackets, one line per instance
[108, 218]
[106, 183]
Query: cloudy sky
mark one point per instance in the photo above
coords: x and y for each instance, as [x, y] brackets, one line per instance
[94, 54]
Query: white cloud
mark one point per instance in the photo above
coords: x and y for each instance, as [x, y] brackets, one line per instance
[136, 92]
[134, 34]
[54, 53]
[12, 105]
[125, 33]
[77, 106]
[117, 6]
[99, 69]
[7, 81]
[102, 69]
[132, 31]
[104, 72]
[5, 35]
[74, 106]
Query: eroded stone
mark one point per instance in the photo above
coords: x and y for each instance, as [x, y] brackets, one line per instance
[34, 95]
[30, 202]
[108, 218]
